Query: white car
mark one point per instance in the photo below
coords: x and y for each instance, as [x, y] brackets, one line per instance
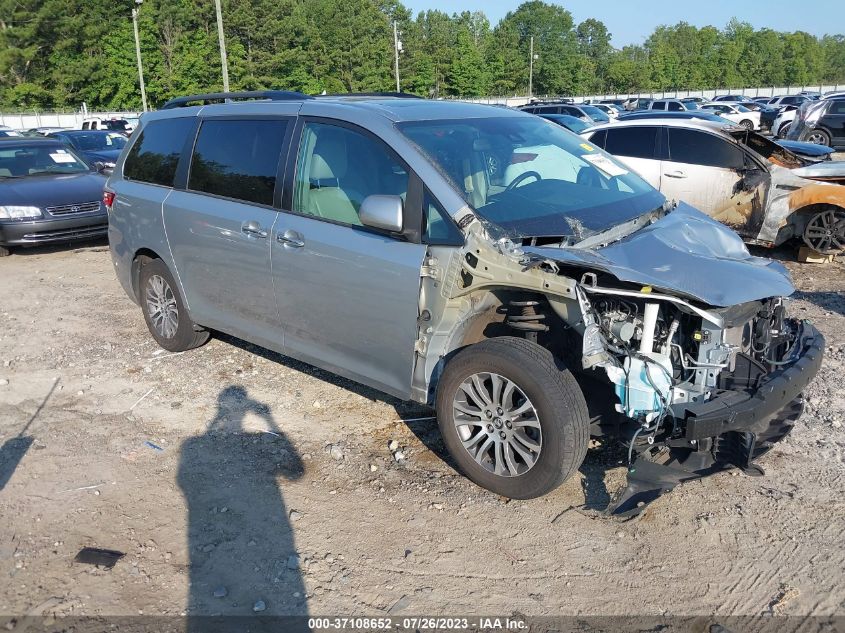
[611, 110]
[735, 112]
[783, 120]
[112, 124]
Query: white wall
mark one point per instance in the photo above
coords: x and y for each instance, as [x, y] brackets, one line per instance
[24, 121]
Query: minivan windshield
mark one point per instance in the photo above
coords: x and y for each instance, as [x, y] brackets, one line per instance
[531, 177]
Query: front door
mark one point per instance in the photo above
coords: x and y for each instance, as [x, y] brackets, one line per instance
[220, 228]
[715, 176]
[348, 296]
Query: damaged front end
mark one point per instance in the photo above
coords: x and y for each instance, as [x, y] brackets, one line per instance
[701, 390]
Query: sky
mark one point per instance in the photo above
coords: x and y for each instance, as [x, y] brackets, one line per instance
[631, 21]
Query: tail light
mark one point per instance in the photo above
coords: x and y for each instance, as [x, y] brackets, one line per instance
[108, 199]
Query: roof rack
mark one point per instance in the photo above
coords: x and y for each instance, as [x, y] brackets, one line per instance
[272, 95]
[401, 95]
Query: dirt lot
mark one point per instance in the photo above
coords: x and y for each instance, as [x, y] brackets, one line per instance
[231, 471]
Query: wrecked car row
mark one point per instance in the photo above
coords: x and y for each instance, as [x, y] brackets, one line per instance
[479, 260]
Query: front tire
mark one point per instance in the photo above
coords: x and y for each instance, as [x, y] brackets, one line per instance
[164, 310]
[784, 130]
[748, 124]
[512, 417]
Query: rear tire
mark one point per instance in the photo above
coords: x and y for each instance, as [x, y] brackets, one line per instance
[819, 137]
[164, 310]
[531, 429]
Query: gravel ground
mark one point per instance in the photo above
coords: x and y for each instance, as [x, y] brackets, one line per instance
[229, 475]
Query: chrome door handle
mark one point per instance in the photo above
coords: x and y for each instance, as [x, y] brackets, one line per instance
[253, 229]
[675, 174]
[290, 238]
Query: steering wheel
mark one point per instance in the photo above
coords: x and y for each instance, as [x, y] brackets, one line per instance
[523, 176]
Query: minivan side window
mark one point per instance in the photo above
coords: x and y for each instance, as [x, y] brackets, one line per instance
[155, 155]
[636, 142]
[700, 148]
[337, 168]
[237, 158]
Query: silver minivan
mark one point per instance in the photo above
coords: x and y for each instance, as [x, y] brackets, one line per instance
[480, 260]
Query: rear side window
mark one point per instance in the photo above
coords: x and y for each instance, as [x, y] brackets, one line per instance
[547, 110]
[636, 142]
[837, 107]
[701, 148]
[154, 156]
[238, 159]
[674, 106]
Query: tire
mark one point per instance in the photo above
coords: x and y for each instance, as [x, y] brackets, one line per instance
[176, 332]
[819, 137]
[554, 401]
[825, 231]
[4, 251]
[748, 124]
[783, 130]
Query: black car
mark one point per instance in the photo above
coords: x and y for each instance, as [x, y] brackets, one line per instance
[95, 146]
[821, 122]
[48, 193]
[585, 112]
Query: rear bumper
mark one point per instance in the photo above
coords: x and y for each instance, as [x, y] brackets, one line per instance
[753, 411]
[46, 231]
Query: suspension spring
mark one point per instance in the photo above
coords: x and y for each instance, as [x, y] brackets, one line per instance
[523, 316]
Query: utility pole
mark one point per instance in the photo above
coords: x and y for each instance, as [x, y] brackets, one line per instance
[396, 45]
[222, 39]
[531, 67]
[138, 53]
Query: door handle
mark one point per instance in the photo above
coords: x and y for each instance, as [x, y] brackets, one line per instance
[253, 229]
[675, 174]
[290, 238]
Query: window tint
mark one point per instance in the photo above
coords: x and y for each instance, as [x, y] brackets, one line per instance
[337, 168]
[237, 159]
[837, 107]
[154, 156]
[439, 228]
[637, 142]
[701, 148]
[547, 110]
[599, 138]
[674, 106]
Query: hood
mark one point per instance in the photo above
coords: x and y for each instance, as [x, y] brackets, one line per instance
[804, 148]
[52, 189]
[105, 155]
[832, 171]
[685, 253]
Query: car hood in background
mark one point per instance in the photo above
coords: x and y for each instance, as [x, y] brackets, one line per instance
[105, 156]
[52, 189]
[804, 148]
[833, 171]
[684, 253]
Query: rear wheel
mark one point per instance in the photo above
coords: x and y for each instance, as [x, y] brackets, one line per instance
[164, 310]
[512, 417]
[825, 232]
[819, 137]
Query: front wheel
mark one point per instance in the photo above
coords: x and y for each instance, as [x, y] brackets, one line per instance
[747, 124]
[825, 232]
[512, 417]
[784, 130]
[164, 310]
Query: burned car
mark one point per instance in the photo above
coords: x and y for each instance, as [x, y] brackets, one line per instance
[366, 235]
[763, 191]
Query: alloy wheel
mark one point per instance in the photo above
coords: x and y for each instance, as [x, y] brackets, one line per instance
[818, 138]
[161, 306]
[825, 232]
[497, 424]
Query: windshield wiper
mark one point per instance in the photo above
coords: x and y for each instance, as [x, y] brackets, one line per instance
[616, 233]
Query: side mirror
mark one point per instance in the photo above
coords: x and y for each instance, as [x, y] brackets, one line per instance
[382, 212]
